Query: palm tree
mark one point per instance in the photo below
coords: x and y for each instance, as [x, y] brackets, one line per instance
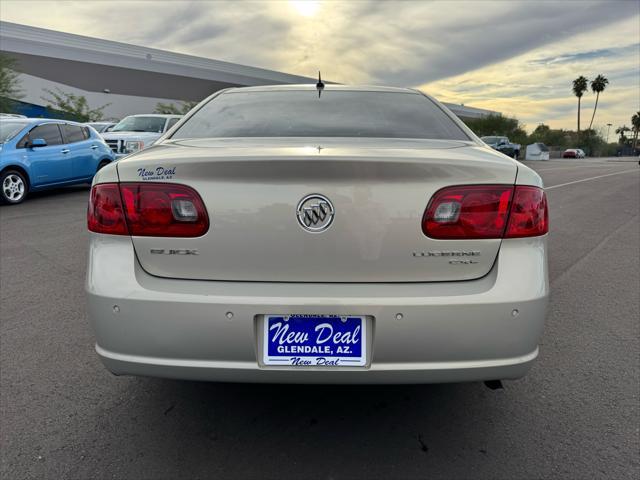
[597, 86]
[580, 85]
[635, 122]
[621, 131]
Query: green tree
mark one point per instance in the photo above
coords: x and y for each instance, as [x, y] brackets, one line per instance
[593, 142]
[172, 109]
[635, 126]
[499, 125]
[597, 86]
[75, 107]
[580, 85]
[549, 136]
[9, 84]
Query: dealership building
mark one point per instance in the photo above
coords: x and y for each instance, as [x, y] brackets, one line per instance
[129, 79]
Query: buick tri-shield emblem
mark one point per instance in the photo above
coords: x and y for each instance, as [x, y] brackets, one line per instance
[315, 213]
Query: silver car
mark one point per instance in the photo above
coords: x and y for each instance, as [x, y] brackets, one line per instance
[101, 127]
[336, 235]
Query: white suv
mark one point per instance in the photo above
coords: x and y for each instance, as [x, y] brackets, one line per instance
[136, 132]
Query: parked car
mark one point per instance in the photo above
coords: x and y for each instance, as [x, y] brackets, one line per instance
[101, 127]
[362, 236]
[137, 132]
[37, 153]
[573, 153]
[503, 145]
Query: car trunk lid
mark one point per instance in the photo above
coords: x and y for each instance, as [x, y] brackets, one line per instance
[377, 189]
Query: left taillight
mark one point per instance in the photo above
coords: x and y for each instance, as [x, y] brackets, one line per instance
[147, 210]
[106, 213]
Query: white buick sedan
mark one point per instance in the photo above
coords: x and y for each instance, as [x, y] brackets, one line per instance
[336, 235]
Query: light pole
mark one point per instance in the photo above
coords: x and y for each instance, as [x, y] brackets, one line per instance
[608, 129]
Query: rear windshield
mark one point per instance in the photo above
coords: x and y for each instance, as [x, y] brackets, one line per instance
[337, 113]
[9, 129]
[140, 124]
[99, 127]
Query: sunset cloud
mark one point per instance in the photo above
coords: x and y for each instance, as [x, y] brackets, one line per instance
[515, 57]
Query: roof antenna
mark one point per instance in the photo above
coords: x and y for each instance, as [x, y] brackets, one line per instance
[319, 85]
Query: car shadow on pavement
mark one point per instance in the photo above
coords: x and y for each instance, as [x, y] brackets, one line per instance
[57, 192]
[267, 431]
[35, 198]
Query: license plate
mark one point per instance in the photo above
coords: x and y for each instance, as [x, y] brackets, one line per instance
[315, 340]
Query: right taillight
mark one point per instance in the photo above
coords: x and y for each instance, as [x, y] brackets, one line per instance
[147, 210]
[529, 215]
[486, 211]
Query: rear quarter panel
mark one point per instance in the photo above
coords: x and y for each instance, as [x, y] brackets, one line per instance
[528, 176]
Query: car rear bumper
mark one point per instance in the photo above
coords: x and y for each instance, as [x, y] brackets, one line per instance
[482, 329]
[224, 371]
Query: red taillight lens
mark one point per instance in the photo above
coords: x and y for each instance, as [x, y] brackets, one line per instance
[105, 214]
[486, 211]
[471, 211]
[155, 210]
[163, 210]
[529, 213]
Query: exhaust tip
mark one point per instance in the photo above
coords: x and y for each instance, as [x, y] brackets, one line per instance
[494, 384]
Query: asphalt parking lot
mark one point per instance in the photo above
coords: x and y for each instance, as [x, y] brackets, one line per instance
[576, 415]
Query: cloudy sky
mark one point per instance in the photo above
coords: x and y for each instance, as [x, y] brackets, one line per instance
[517, 57]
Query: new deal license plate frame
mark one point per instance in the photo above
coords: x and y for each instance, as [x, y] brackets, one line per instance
[306, 323]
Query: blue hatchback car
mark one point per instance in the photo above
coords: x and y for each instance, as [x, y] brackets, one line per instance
[37, 153]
